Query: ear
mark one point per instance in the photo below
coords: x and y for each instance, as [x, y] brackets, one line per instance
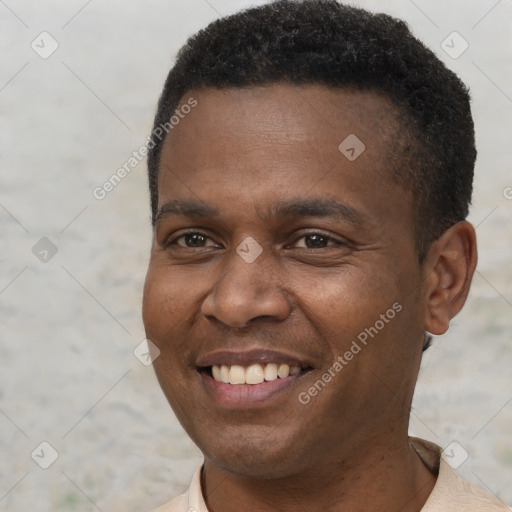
[448, 271]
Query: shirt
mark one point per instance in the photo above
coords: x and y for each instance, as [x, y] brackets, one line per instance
[450, 493]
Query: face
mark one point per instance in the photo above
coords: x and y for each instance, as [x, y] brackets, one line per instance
[275, 250]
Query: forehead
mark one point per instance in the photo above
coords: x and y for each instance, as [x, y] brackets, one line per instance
[287, 111]
[278, 141]
[310, 120]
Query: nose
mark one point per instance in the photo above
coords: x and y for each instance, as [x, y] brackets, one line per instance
[244, 292]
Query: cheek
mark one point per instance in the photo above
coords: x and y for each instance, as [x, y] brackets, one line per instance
[166, 312]
[167, 302]
[345, 301]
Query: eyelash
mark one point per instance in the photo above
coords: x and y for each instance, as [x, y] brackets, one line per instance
[326, 237]
[189, 233]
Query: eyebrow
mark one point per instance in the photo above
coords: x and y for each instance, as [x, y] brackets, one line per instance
[298, 207]
[190, 208]
[316, 207]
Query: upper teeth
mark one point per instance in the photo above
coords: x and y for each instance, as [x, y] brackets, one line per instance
[254, 374]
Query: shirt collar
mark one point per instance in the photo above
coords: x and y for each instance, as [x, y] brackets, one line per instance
[450, 491]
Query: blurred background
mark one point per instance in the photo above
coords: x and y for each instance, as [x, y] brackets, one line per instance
[79, 82]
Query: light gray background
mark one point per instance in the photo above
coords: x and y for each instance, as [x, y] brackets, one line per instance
[68, 375]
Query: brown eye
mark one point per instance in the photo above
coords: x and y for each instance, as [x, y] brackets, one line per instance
[193, 240]
[315, 241]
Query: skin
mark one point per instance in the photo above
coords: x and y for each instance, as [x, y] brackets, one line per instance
[319, 282]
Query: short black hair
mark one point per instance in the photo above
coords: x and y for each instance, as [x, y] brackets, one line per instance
[325, 42]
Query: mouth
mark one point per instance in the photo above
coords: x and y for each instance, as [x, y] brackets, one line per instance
[236, 375]
[251, 379]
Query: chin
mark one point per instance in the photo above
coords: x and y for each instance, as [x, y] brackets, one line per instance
[251, 466]
[255, 455]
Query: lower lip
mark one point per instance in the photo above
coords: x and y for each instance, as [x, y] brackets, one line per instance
[248, 396]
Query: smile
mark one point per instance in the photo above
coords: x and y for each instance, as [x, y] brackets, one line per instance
[253, 374]
[251, 378]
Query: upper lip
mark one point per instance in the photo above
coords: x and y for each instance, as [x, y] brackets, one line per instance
[253, 356]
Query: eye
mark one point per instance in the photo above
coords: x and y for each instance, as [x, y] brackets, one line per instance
[193, 240]
[316, 241]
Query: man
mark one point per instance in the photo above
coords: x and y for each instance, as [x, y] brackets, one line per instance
[310, 173]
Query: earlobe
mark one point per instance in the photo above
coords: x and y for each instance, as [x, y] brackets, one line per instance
[449, 269]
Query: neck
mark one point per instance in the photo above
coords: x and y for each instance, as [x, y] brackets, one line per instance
[379, 476]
